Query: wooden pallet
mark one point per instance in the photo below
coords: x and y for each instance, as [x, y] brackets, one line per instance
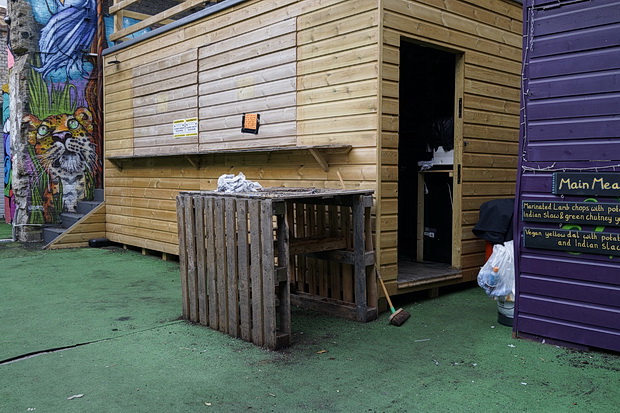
[240, 254]
[230, 278]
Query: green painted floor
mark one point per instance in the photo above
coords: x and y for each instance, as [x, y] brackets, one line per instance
[131, 352]
[6, 230]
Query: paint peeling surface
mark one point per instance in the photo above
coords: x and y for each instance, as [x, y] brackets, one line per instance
[568, 265]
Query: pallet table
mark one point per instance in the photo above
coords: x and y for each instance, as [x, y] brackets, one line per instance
[245, 257]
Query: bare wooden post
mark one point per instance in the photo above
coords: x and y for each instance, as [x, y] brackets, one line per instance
[213, 300]
[232, 278]
[256, 255]
[243, 267]
[220, 264]
[268, 270]
[371, 280]
[182, 254]
[190, 247]
[359, 267]
[203, 310]
[284, 286]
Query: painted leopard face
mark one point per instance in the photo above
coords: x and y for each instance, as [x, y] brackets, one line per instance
[63, 143]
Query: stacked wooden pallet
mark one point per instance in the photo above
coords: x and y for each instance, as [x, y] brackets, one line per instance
[241, 253]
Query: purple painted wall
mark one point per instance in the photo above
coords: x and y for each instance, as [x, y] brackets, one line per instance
[570, 123]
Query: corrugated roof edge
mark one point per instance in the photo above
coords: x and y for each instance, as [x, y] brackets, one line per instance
[185, 20]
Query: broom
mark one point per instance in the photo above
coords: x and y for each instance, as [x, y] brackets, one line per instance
[399, 316]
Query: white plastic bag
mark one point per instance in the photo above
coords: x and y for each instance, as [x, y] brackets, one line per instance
[232, 183]
[497, 275]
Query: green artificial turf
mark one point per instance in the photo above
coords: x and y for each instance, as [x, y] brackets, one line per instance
[6, 231]
[137, 356]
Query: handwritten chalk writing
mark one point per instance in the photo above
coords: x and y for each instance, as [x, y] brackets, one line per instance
[592, 213]
[567, 183]
[586, 183]
[572, 241]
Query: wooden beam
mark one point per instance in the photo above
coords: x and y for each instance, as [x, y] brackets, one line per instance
[320, 159]
[194, 160]
[118, 163]
[332, 306]
[158, 18]
[141, 16]
[121, 5]
[332, 149]
[316, 244]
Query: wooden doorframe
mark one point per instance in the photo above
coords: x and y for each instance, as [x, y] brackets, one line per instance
[457, 216]
[459, 86]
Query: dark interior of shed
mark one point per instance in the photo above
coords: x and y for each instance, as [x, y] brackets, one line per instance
[427, 93]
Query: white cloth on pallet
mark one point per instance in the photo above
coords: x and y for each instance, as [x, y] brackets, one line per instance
[232, 183]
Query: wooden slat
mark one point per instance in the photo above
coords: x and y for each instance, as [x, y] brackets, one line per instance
[81, 237]
[437, 32]
[300, 231]
[158, 18]
[256, 255]
[336, 44]
[190, 247]
[195, 35]
[269, 299]
[260, 41]
[167, 247]
[213, 302]
[335, 269]
[310, 225]
[359, 268]
[201, 272]
[243, 265]
[142, 16]
[316, 244]
[347, 270]
[232, 277]
[122, 4]
[350, 22]
[180, 205]
[371, 281]
[233, 74]
[91, 225]
[284, 296]
[220, 263]
[250, 91]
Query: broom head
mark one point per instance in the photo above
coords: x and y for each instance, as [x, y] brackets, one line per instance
[399, 317]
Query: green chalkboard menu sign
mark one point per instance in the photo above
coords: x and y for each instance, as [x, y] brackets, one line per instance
[591, 226]
[586, 183]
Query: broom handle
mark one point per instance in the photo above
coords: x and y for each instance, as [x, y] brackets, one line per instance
[387, 296]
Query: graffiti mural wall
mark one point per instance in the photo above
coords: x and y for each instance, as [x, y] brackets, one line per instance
[9, 197]
[63, 156]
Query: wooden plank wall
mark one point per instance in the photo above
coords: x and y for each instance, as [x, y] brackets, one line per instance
[488, 34]
[335, 78]
[234, 81]
[141, 103]
[92, 225]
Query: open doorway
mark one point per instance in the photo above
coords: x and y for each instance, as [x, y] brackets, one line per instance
[426, 163]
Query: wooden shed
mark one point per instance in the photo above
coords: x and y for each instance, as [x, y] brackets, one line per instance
[350, 93]
[568, 254]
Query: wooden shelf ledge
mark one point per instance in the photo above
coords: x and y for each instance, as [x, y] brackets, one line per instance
[316, 244]
[332, 307]
[318, 152]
